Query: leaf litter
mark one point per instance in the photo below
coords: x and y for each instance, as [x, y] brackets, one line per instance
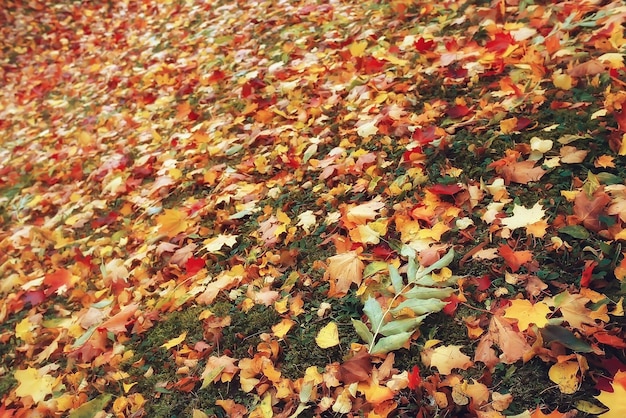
[240, 184]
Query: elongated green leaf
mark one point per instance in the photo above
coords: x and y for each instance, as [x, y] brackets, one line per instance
[390, 343]
[419, 292]
[402, 325]
[442, 262]
[374, 312]
[396, 279]
[91, 408]
[411, 270]
[419, 306]
[564, 336]
[576, 231]
[363, 331]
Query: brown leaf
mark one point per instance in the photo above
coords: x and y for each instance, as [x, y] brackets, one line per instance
[356, 369]
[588, 210]
[522, 172]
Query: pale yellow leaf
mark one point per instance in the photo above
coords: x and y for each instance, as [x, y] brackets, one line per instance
[328, 336]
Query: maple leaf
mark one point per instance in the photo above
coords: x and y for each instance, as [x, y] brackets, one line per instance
[215, 244]
[522, 172]
[36, 383]
[573, 309]
[447, 357]
[172, 222]
[415, 379]
[514, 259]
[343, 270]
[615, 400]
[523, 217]
[502, 334]
[589, 208]
[526, 313]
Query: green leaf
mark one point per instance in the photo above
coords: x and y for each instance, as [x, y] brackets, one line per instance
[363, 331]
[575, 231]
[402, 325]
[91, 408]
[559, 334]
[396, 279]
[374, 267]
[420, 292]
[609, 178]
[390, 343]
[374, 312]
[419, 306]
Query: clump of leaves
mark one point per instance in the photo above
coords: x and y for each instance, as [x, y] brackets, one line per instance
[392, 326]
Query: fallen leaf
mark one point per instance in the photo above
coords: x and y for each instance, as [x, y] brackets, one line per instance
[328, 336]
[615, 400]
[566, 376]
[34, 383]
[526, 313]
[174, 341]
[445, 358]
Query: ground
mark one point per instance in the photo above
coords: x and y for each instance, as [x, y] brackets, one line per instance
[272, 209]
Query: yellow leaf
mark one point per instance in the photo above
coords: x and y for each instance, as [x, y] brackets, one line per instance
[562, 81]
[196, 413]
[23, 330]
[32, 383]
[358, 48]
[508, 125]
[175, 341]
[565, 375]
[172, 222]
[615, 400]
[328, 336]
[282, 328]
[527, 313]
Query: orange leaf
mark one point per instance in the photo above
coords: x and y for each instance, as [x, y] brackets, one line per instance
[172, 222]
[375, 393]
[514, 259]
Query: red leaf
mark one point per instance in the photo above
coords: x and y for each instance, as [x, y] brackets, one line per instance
[415, 380]
[608, 339]
[453, 303]
[445, 189]
[458, 111]
[500, 42]
[587, 272]
[425, 136]
[194, 265]
[372, 65]
[422, 45]
[56, 280]
[484, 283]
[522, 123]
